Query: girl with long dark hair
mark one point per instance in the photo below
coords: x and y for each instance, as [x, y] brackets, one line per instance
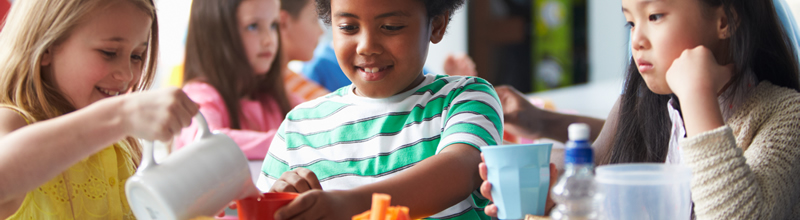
[712, 84]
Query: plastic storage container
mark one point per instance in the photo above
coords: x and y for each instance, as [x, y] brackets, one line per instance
[645, 191]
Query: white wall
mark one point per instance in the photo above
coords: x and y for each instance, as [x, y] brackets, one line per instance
[455, 41]
[608, 39]
[794, 5]
[173, 21]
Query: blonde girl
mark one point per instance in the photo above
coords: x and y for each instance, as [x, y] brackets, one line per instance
[69, 115]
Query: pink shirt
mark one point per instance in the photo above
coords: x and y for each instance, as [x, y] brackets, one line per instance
[259, 124]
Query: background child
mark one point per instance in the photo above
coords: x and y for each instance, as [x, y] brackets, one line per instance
[394, 130]
[233, 71]
[300, 32]
[65, 115]
[731, 67]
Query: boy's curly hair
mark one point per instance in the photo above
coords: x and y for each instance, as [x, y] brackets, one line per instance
[434, 8]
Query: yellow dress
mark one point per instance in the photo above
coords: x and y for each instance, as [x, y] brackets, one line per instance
[94, 188]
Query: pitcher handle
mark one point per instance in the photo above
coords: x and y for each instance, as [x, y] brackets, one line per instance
[147, 155]
[202, 127]
[148, 160]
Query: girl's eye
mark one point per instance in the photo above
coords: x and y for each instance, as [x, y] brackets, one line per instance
[348, 28]
[108, 53]
[655, 17]
[393, 28]
[274, 26]
[252, 27]
[629, 24]
[137, 58]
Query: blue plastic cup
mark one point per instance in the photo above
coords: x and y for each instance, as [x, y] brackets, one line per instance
[520, 178]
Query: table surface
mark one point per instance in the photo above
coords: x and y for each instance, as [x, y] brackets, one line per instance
[593, 99]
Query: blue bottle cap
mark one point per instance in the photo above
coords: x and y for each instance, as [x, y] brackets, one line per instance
[579, 152]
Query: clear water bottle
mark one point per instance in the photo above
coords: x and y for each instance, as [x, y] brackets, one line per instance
[575, 193]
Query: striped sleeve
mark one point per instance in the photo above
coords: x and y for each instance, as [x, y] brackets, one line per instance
[474, 116]
[275, 163]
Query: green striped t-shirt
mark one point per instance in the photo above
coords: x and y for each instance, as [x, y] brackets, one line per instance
[350, 141]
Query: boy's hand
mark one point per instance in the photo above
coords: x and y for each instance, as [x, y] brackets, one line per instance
[318, 204]
[298, 180]
[486, 187]
[157, 115]
[521, 116]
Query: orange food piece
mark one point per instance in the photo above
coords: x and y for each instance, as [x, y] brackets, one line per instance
[380, 202]
[362, 216]
[398, 213]
[391, 213]
[382, 211]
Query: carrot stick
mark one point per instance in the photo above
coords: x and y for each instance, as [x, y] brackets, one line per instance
[402, 213]
[362, 216]
[380, 202]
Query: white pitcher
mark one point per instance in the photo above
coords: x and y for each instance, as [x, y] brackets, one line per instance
[197, 180]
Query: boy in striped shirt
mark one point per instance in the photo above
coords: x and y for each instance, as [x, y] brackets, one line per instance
[394, 130]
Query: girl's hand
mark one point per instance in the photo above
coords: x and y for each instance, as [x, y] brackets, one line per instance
[298, 180]
[521, 117]
[459, 65]
[486, 187]
[318, 204]
[697, 79]
[157, 115]
[696, 72]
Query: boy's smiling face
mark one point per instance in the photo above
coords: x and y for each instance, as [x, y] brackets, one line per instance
[381, 45]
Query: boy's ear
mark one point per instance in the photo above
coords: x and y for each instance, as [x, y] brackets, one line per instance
[439, 26]
[47, 57]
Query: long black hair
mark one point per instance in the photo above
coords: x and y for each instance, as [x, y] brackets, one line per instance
[758, 44]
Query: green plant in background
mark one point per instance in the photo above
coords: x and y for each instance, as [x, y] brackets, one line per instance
[552, 44]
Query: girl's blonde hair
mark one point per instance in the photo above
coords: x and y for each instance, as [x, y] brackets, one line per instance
[31, 27]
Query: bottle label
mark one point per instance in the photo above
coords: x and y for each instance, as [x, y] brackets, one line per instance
[579, 155]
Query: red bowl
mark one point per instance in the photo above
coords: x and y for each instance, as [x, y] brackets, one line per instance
[263, 207]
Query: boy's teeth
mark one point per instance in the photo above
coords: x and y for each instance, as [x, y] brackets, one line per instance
[372, 70]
